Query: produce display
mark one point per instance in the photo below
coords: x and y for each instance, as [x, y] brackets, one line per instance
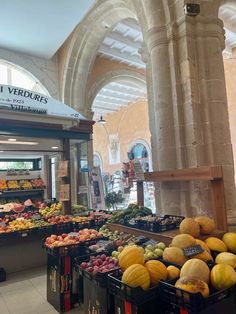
[52, 220]
[51, 210]
[75, 238]
[26, 184]
[77, 209]
[133, 211]
[99, 264]
[21, 224]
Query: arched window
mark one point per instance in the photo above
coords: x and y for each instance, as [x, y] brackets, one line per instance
[139, 151]
[11, 74]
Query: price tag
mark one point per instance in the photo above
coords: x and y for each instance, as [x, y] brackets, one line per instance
[24, 234]
[150, 242]
[193, 250]
[73, 234]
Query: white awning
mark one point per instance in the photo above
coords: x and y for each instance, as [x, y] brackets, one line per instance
[19, 100]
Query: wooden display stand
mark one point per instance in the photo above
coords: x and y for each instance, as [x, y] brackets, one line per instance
[214, 174]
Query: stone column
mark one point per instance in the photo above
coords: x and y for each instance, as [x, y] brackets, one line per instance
[189, 115]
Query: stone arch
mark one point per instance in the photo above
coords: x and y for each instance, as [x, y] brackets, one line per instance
[122, 75]
[89, 35]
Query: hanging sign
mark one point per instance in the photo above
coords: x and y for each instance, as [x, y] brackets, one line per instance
[18, 99]
[64, 194]
[63, 169]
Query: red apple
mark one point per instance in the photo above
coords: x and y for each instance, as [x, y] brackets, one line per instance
[83, 265]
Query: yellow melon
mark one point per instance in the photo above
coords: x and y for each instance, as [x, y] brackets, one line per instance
[226, 258]
[174, 255]
[196, 268]
[203, 245]
[216, 244]
[223, 276]
[182, 241]
[204, 256]
[193, 285]
[229, 239]
[129, 256]
[172, 272]
[157, 271]
[190, 226]
[207, 225]
[136, 275]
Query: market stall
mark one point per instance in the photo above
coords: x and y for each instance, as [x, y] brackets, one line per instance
[43, 147]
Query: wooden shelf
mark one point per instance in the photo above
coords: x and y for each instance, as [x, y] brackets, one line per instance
[21, 192]
[213, 174]
[165, 236]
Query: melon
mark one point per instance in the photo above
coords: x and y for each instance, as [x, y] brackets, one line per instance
[216, 244]
[207, 225]
[136, 276]
[172, 272]
[182, 241]
[157, 271]
[229, 240]
[196, 268]
[174, 255]
[130, 255]
[223, 276]
[204, 256]
[190, 226]
[226, 258]
[203, 245]
[193, 285]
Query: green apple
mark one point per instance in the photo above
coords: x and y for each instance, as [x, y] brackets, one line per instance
[150, 247]
[158, 252]
[114, 253]
[161, 245]
[150, 255]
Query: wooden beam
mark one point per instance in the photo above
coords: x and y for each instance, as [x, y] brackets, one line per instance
[201, 173]
[165, 236]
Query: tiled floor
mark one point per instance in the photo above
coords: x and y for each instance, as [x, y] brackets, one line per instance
[25, 293]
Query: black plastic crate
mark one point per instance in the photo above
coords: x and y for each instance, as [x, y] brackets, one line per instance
[136, 295]
[76, 226]
[64, 227]
[195, 302]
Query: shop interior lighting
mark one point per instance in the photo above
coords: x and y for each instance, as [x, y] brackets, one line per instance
[1, 151]
[18, 142]
[54, 147]
[12, 140]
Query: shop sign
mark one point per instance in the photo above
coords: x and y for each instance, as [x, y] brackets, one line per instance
[18, 99]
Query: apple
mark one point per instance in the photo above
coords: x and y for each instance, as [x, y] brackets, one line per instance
[161, 245]
[103, 257]
[90, 269]
[64, 235]
[83, 265]
[158, 252]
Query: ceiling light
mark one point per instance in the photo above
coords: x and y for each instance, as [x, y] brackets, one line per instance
[101, 120]
[12, 140]
[54, 147]
[18, 143]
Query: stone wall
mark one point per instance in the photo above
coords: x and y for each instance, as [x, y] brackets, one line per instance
[45, 71]
[131, 123]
